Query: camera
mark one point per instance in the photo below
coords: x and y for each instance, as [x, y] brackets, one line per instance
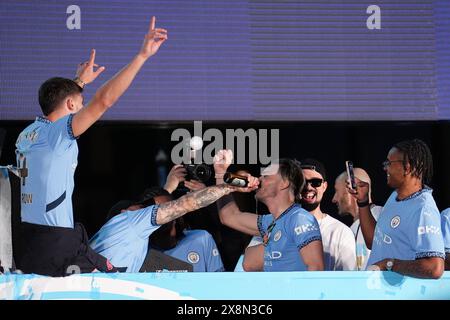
[201, 172]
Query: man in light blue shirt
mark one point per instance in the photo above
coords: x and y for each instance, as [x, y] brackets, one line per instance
[407, 237]
[291, 235]
[47, 154]
[445, 225]
[124, 239]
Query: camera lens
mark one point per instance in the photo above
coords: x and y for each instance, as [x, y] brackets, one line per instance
[202, 172]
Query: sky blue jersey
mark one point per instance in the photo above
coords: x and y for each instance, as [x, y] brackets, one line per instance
[49, 151]
[199, 249]
[408, 229]
[124, 238]
[293, 230]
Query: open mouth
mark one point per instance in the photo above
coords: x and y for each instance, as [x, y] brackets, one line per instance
[309, 196]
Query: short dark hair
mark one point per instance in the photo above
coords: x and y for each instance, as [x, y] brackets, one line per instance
[53, 91]
[290, 169]
[418, 155]
[145, 199]
[316, 165]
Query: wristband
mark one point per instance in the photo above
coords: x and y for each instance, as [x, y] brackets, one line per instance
[79, 82]
[363, 204]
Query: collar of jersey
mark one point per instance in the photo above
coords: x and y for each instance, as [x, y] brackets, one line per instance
[416, 194]
[42, 119]
[286, 211]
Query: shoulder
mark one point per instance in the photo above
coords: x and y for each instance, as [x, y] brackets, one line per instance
[426, 205]
[31, 133]
[445, 214]
[300, 214]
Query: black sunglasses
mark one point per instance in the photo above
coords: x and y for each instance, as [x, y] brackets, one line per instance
[315, 182]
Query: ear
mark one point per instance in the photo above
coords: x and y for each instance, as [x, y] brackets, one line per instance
[407, 169]
[325, 186]
[284, 184]
[70, 104]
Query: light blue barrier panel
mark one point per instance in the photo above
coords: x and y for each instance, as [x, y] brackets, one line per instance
[222, 286]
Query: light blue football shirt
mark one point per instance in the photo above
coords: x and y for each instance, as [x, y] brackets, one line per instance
[445, 226]
[49, 151]
[124, 238]
[408, 229]
[199, 249]
[293, 230]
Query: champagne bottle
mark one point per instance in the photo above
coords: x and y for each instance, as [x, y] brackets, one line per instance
[235, 179]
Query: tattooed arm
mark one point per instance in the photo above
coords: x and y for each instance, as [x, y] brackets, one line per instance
[190, 202]
[428, 268]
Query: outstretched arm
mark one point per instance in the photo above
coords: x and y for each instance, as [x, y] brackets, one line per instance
[111, 91]
[192, 201]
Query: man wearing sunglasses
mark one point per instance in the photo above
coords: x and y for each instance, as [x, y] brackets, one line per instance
[291, 236]
[407, 237]
[337, 239]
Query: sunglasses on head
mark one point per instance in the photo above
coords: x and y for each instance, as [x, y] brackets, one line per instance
[315, 182]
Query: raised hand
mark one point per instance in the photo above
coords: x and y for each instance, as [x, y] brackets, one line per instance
[85, 70]
[253, 184]
[222, 160]
[175, 176]
[194, 185]
[153, 40]
[361, 194]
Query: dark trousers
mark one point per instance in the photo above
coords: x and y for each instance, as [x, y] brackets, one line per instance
[57, 251]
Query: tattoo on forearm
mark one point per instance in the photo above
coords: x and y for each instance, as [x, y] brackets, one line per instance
[192, 201]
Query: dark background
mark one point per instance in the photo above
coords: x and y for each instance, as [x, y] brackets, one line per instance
[117, 161]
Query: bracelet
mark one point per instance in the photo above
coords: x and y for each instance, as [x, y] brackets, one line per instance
[79, 82]
[363, 204]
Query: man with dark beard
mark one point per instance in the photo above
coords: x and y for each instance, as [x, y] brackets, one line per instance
[337, 239]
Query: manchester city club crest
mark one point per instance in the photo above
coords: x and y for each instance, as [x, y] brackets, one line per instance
[193, 257]
[395, 222]
[277, 236]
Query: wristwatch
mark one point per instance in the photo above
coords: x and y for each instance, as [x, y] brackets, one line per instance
[79, 82]
[389, 265]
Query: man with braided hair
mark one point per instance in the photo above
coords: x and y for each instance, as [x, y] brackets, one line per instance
[407, 237]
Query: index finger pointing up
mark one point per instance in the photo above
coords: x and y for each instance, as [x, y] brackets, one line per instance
[92, 57]
[152, 24]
